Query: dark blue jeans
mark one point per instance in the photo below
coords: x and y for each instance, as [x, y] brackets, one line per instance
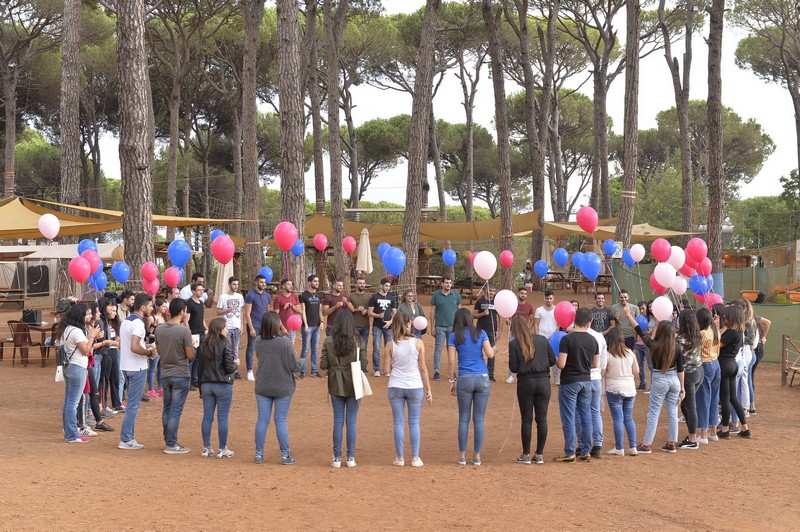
[377, 334]
[216, 395]
[345, 409]
[176, 389]
[575, 400]
[251, 347]
[136, 381]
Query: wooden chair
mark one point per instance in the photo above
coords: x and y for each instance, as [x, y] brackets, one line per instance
[793, 367]
[21, 335]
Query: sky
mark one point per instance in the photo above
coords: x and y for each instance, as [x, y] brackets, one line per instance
[769, 104]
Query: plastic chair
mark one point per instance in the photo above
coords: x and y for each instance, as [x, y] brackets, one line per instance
[21, 334]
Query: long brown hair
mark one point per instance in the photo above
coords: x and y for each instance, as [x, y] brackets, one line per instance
[523, 337]
[733, 316]
[689, 329]
[706, 321]
[400, 327]
[662, 350]
[616, 343]
[344, 335]
[213, 337]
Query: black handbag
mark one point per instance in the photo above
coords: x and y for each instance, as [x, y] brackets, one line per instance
[32, 316]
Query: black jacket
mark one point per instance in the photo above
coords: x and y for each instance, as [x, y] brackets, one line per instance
[220, 367]
[540, 362]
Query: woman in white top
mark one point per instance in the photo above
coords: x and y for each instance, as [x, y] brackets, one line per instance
[404, 362]
[621, 391]
[72, 334]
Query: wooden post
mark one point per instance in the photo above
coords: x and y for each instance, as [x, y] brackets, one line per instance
[784, 359]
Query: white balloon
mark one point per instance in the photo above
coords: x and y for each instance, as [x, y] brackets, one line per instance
[664, 274]
[637, 252]
[420, 323]
[662, 308]
[505, 303]
[49, 226]
[677, 257]
[485, 265]
[679, 285]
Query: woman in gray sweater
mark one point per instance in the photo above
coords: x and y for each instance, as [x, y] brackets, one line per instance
[275, 385]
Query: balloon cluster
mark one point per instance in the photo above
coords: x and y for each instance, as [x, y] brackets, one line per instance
[681, 269]
[393, 258]
[87, 266]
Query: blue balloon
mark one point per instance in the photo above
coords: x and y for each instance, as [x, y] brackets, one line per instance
[577, 257]
[642, 322]
[627, 258]
[179, 253]
[216, 233]
[449, 257]
[266, 271]
[555, 341]
[609, 247]
[699, 284]
[298, 248]
[121, 272]
[98, 281]
[591, 265]
[383, 247]
[394, 260]
[85, 244]
[561, 256]
[710, 281]
[540, 268]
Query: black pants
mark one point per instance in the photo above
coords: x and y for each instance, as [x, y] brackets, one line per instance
[533, 394]
[691, 382]
[753, 365]
[109, 379]
[727, 391]
[490, 362]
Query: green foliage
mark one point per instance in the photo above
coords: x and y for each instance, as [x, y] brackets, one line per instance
[762, 222]
[38, 166]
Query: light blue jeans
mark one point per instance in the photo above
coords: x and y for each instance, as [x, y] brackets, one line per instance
[665, 388]
[377, 334]
[442, 334]
[472, 393]
[707, 397]
[154, 373]
[310, 336]
[176, 389]
[265, 405]
[345, 410]
[574, 401]
[235, 338]
[597, 420]
[622, 414]
[643, 359]
[398, 398]
[219, 396]
[136, 381]
[74, 383]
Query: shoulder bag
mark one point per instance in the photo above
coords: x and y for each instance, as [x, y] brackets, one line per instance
[360, 381]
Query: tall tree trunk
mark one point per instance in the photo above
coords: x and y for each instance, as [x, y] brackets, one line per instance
[10, 78]
[600, 191]
[135, 148]
[206, 230]
[172, 153]
[418, 141]
[352, 145]
[558, 190]
[290, 91]
[315, 96]
[436, 155]
[715, 168]
[69, 108]
[492, 22]
[631, 126]
[252, 12]
[237, 167]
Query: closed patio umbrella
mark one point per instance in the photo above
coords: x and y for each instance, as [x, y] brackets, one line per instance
[364, 253]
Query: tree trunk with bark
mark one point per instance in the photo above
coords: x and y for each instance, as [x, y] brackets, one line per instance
[715, 162]
[236, 154]
[172, 153]
[69, 107]
[135, 140]
[10, 78]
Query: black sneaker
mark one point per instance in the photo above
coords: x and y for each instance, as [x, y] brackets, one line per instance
[746, 434]
[316, 375]
[491, 378]
[597, 452]
[642, 387]
[670, 447]
[687, 444]
[723, 435]
[735, 430]
[236, 376]
[302, 375]
[145, 399]
[436, 376]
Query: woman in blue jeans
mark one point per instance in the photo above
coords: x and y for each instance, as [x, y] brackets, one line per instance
[275, 385]
[470, 384]
[667, 386]
[621, 391]
[708, 392]
[215, 379]
[341, 348]
[404, 363]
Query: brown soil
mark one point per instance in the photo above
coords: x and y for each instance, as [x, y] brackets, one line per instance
[52, 485]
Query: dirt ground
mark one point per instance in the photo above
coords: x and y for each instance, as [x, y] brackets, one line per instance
[49, 484]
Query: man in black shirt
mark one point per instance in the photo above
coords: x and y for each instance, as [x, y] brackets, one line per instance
[310, 305]
[382, 308]
[603, 319]
[486, 315]
[195, 320]
[578, 353]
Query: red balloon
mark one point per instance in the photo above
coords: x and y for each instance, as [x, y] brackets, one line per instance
[93, 258]
[657, 288]
[506, 258]
[564, 314]
[704, 267]
[697, 249]
[149, 271]
[172, 276]
[700, 297]
[691, 262]
[660, 249]
[587, 219]
[712, 299]
[687, 271]
[320, 242]
[80, 269]
[151, 287]
[348, 244]
[294, 322]
[472, 257]
[223, 249]
[285, 236]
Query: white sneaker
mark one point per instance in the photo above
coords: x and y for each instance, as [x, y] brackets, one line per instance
[616, 452]
[336, 463]
[376, 374]
[399, 462]
[351, 462]
[632, 451]
[250, 376]
[702, 441]
[510, 379]
[416, 462]
[130, 445]
[86, 431]
[713, 437]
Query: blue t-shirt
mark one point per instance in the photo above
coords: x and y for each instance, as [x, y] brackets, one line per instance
[259, 303]
[470, 354]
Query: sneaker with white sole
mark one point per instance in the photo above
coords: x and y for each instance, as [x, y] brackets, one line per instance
[87, 431]
[688, 444]
[336, 463]
[176, 449]
[80, 439]
[399, 462]
[416, 462]
[713, 437]
[616, 452]
[376, 374]
[251, 376]
[225, 453]
[702, 441]
[351, 462]
[132, 445]
[632, 451]
[207, 452]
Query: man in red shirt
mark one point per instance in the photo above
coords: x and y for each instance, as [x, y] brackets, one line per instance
[333, 303]
[286, 304]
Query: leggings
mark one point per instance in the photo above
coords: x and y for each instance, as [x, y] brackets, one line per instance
[109, 379]
[758, 355]
[533, 394]
[94, 401]
[727, 391]
[691, 383]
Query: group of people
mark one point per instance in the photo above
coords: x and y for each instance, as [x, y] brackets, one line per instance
[135, 346]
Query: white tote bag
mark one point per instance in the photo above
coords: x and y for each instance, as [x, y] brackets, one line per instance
[360, 381]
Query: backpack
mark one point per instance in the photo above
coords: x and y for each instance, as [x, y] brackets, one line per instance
[62, 359]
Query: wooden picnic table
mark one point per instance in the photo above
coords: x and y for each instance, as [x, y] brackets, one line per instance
[426, 284]
[604, 280]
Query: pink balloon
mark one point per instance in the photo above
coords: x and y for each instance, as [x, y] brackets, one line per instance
[679, 285]
[172, 276]
[485, 264]
[151, 286]
[506, 258]
[49, 226]
[677, 257]
[348, 244]
[564, 314]
[223, 249]
[320, 242]
[285, 236]
[697, 249]
[505, 303]
[149, 271]
[664, 274]
[657, 288]
[712, 299]
[420, 323]
[294, 322]
[662, 308]
[690, 262]
[704, 267]
[587, 219]
[660, 250]
[93, 258]
[472, 257]
[686, 270]
[80, 269]
[637, 252]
